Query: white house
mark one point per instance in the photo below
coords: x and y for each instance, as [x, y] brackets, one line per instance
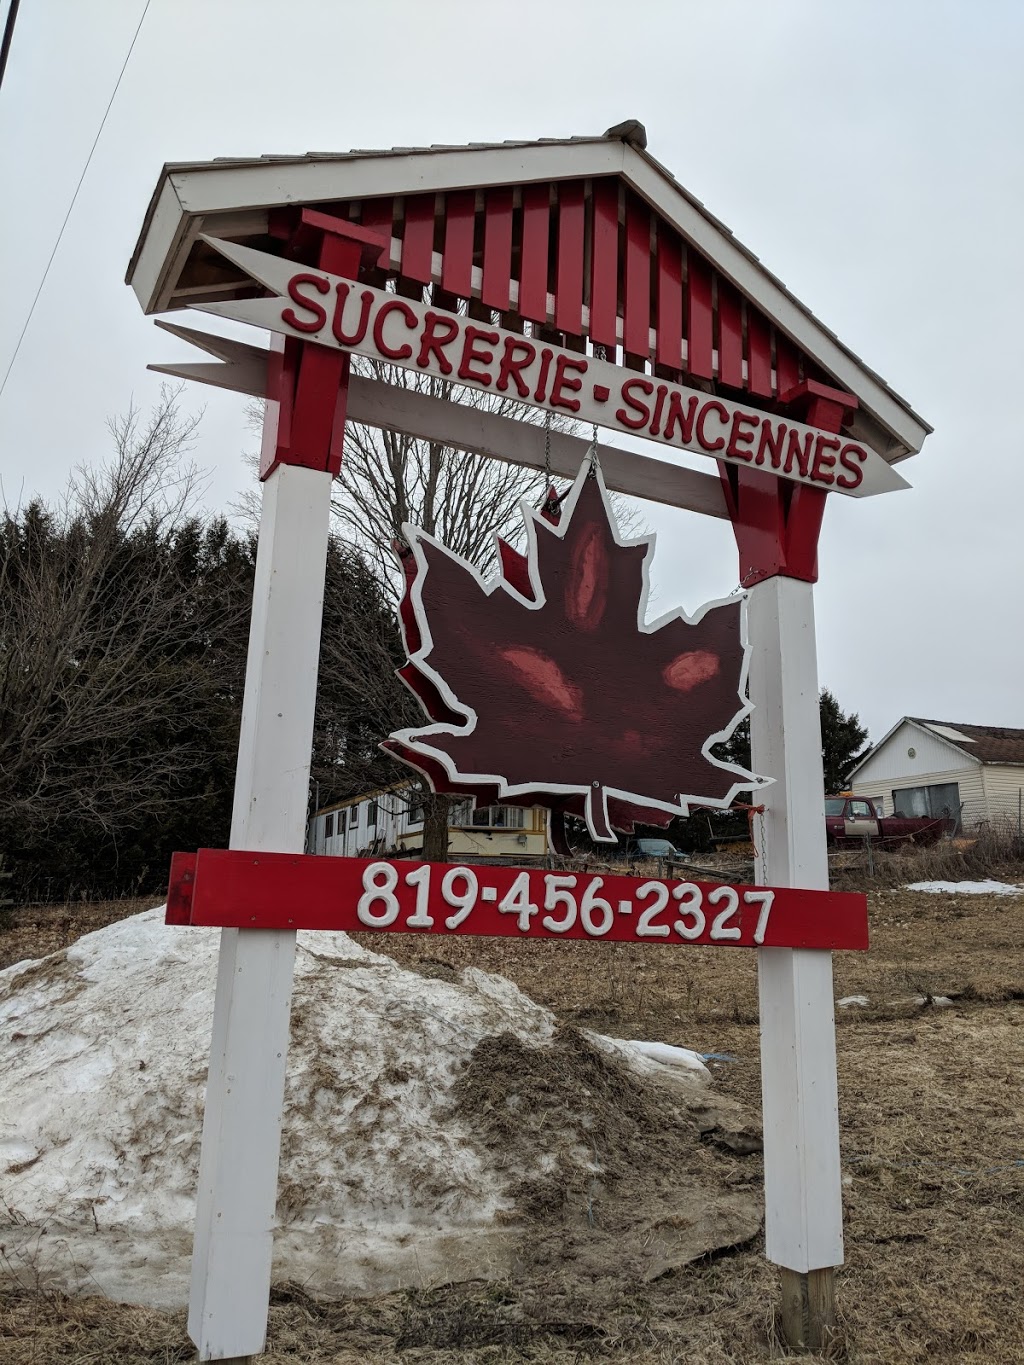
[931, 767]
[391, 821]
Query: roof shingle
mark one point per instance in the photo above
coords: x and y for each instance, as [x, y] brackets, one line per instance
[988, 743]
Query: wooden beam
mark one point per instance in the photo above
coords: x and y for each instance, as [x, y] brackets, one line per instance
[522, 443]
[465, 428]
[808, 1309]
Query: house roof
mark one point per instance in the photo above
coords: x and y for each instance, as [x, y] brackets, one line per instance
[233, 198]
[986, 744]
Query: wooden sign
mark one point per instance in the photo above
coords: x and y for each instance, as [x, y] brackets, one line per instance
[240, 890]
[314, 305]
[548, 686]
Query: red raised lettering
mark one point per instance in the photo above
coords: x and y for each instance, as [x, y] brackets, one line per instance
[773, 440]
[739, 439]
[823, 462]
[311, 305]
[404, 351]
[366, 303]
[802, 454]
[432, 343]
[513, 365]
[702, 417]
[851, 457]
[562, 381]
[626, 393]
[659, 405]
[471, 354]
[685, 419]
[542, 378]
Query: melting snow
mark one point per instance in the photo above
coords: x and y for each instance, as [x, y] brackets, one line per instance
[988, 888]
[104, 1050]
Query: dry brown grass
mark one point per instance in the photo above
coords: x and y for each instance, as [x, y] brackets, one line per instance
[35, 930]
[933, 1158]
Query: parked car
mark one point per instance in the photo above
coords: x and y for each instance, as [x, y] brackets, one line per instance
[851, 819]
[651, 848]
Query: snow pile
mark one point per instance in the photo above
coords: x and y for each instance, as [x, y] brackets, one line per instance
[987, 888]
[104, 1049]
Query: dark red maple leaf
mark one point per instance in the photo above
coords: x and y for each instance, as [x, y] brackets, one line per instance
[546, 687]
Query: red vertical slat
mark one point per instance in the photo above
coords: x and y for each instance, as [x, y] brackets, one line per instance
[698, 301]
[636, 322]
[533, 265]
[457, 257]
[569, 275]
[497, 264]
[759, 354]
[418, 238]
[787, 365]
[378, 216]
[604, 263]
[670, 300]
[730, 336]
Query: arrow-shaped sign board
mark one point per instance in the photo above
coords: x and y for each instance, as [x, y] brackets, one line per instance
[314, 305]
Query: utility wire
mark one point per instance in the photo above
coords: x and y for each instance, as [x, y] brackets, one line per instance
[5, 46]
[74, 197]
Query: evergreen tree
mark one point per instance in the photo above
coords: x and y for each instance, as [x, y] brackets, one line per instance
[124, 622]
[842, 742]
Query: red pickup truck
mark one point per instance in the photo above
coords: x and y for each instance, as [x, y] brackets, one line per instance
[851, 819]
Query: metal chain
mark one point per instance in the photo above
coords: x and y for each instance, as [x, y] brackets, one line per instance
[592, 454]
[547, 446]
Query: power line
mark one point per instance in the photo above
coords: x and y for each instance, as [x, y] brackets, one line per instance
[74, 197]
[5, 46]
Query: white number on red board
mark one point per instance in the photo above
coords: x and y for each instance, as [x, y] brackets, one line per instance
[558, 893]
[689, 898]
[596, 915]
[765, 899]
[379, 882]
[646, 928]
[516, 901]
[420, 879]
[462, 902]
[732, 902]
[378, 907]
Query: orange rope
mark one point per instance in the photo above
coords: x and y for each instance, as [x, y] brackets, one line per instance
[751, 812]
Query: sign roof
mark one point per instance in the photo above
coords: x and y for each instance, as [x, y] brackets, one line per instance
[588, 237]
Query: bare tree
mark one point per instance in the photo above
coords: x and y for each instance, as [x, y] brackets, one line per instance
[106, 647]
[388, 479]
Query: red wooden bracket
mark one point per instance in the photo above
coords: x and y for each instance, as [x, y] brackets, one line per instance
[307, 384]
[777, 522]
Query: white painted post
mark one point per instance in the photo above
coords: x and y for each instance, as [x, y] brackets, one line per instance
[245, 1090]
[803, 1193]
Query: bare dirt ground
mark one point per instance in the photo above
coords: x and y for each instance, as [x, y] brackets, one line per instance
[931, 1106]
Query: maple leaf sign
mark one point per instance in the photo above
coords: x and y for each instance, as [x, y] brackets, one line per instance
[545, 686]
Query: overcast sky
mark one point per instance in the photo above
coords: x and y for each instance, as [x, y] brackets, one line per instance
[870, 154]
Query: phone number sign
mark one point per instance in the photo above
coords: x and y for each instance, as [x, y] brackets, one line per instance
[239, 890]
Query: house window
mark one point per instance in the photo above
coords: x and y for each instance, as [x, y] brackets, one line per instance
[371, 815]
[460, 814]
[939, 801]
[500, 817]
[329, 826]
[416, 804]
